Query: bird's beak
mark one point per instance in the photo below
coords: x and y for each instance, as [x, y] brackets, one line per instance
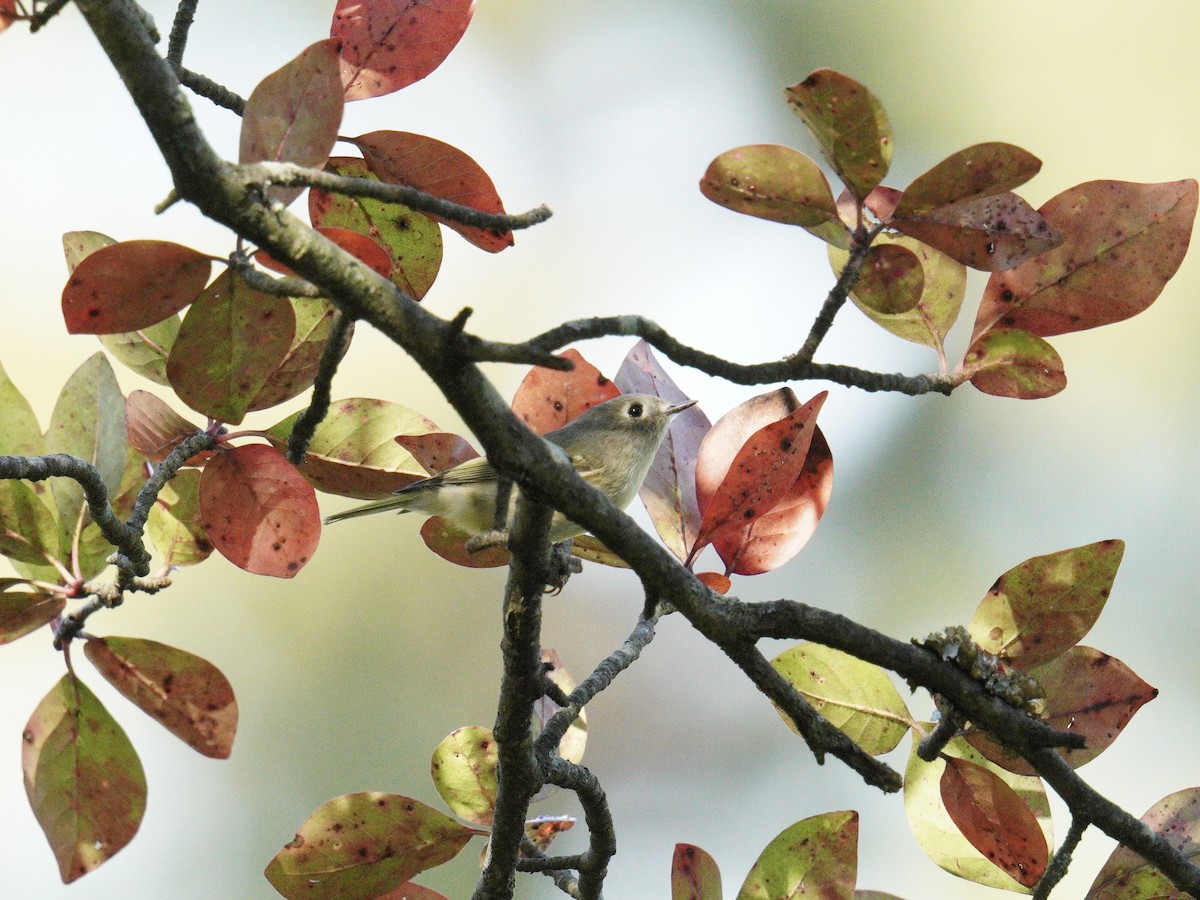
[681, 407]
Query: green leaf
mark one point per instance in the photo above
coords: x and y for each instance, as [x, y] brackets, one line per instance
[354, 452]
[1123, 243]
[94, 548]
[1008, 362]
[936, 832]
[21, 434]
[88, 422]
[29, 531]
[944, 282]
[770, 182]
[83, 779]
[362, 845]
[1127, 876]
[187, 695]
[413, 241]
[994, 819]
[816, 857]
[464, 773]
[174, 522]
[23, 612]
[855, 696]
[1038, 609]
[232, 341]
[294, 113]
[694, 874]
[849, 124]
[145, 351]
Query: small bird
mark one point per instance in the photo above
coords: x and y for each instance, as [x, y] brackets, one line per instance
[611, 445]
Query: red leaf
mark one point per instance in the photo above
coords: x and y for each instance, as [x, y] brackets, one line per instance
[365, 248]
[258, 511]
[548, 399]
[389, 44]
[715, 581]
[438, 169]
[669, 491]
[132, 285]
[294, 113]
[694, 874]
[188, 695]
[994, 819]
[8, 13]
[438, 450]
[154, 428]
[777, 537]
[761, 474]
[449, 542]
[1123, 243]
[22, 613]
[891, 281]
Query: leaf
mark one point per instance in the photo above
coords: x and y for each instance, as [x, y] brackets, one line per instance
[258, 511]
[817, 857]
[233, 339]
[591, 548]
[362, 845]
[574, 740]
[542, 830]
[389, 44]
[298, 369]
[715, 581]
[154, 428]
[1008, 362]
[145, 351]
[891, 280]
[353, 451]
[980, 170]
[294, 113]
[694, 874]
[89, 422]
[944, 282]
[1127, 876]
[770, 182]
[21, 434]
[29, 532]
[547, 399]
[23, 612]
[429, 165]
[669, 490]
[413, 241]
[464, 773]
[849, 124]
[1123, 243]
[936, 832]
[437, 451]
[995, 820]
[174, 522]
[1038, 609]
[775, 538]
[186, 694]
[449, 542]
[760, 475]
[83, 779]
[992, 233]
[1087, 692]
[856, 697]
[132, 285]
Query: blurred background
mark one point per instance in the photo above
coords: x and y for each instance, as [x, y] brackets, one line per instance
[349, 676]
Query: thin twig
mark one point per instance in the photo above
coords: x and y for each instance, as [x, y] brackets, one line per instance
[836, 297]
[1061, 861]
[318, 406]
[185, 14]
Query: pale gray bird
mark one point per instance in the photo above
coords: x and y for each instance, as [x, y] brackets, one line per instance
[611, 445]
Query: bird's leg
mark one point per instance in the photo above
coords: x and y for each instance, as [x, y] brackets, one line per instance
[562, 566]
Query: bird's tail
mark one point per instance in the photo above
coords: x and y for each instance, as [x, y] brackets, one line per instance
[398, 504]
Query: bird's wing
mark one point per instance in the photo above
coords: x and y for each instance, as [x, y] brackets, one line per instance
[473, 471]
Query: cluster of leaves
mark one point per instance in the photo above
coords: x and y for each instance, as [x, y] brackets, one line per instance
[1095, 254]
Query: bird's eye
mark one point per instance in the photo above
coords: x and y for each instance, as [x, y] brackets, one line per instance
[634, 411]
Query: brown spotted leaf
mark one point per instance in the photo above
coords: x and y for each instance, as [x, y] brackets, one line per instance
[449, 541]
[363, 845]
[1128, 876]
[188, 695]
[849, 124]
[1008, 362]
[816, 857]
[694, 874]
[84, 781]
[1123, 243]
[547, 399]
[429, 165]
[298, 369]
[294, 113]
[132, 285]
[996, 821]
[437, 451]
[174, 522]
[258, 511]
[891, 280]
[463, 770]
[978, 171]
[22, 612]
[387, 45]
[772, 182]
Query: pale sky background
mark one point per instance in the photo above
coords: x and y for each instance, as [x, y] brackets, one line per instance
[348, 676]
